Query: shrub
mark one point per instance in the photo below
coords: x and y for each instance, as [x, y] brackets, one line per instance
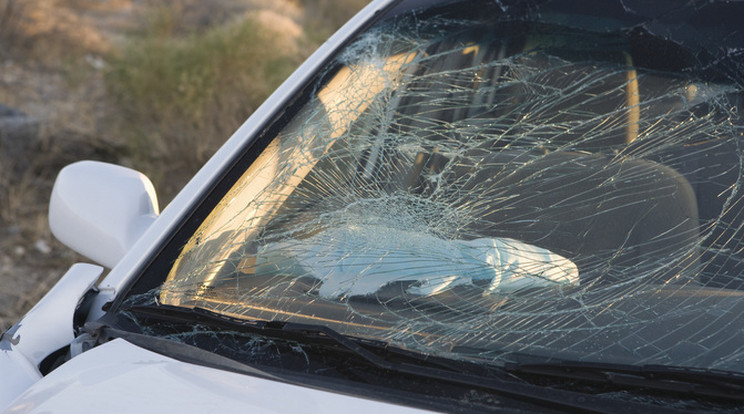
[178, 99]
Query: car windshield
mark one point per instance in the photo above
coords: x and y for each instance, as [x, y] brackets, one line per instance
[489, 182]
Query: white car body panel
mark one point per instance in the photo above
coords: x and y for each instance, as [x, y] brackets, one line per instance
[24, 375]
[118, 377]
[45, 328]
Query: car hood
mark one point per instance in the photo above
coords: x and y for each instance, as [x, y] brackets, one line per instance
[119, 377]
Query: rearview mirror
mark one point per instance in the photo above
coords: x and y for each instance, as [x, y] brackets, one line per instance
[100, 210]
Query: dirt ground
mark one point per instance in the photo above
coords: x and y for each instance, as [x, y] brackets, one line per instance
[52, 59]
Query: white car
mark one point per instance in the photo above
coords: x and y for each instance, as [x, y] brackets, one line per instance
[453, 206]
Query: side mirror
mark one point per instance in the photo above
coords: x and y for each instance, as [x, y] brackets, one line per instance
[100, 210]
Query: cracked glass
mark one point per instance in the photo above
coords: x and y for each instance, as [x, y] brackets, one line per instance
[500, 183]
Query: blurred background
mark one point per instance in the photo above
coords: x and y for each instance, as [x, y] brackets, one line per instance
[155, 85]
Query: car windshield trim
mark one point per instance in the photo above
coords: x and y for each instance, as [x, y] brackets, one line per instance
[684, 380]
[678, 379]
[408, 362]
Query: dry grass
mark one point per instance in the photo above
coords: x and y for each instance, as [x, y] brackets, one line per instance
[50, 31]
[30, 259]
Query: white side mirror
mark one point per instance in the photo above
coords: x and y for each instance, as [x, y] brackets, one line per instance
[100, 210]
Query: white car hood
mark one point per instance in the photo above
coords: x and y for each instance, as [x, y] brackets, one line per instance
[119, 377]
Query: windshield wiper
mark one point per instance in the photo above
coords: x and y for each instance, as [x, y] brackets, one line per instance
[383, 356]
[680, 380]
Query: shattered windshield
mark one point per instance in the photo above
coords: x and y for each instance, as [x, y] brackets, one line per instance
[483, 185]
